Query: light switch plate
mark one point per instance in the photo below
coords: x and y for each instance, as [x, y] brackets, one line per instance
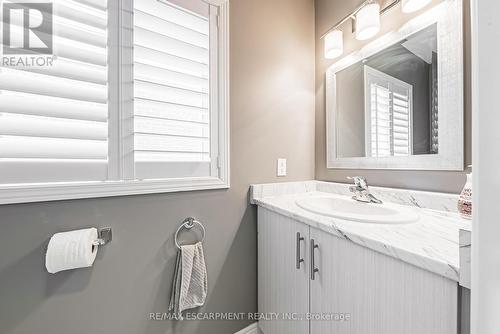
[281, 167]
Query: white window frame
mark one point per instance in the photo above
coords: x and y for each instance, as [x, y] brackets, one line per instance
[119, 182]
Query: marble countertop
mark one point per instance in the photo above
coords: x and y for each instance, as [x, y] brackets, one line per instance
[431, 243]
[465, 256]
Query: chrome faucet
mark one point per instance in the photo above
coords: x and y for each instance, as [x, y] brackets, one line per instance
[360, 190]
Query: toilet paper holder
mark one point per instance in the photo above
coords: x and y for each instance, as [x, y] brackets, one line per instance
[105, 236]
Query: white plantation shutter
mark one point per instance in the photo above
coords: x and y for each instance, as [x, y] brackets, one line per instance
[136, 101]
[53, 119]
[172, 96]
[401, 122]
[389, 111]
[380, 121]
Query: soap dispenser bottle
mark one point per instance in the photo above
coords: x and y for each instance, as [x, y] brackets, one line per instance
[465, 198]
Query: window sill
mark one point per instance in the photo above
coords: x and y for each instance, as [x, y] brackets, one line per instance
[27, 193]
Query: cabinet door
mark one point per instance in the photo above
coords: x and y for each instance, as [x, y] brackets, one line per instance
[283, 289]
[382, 295]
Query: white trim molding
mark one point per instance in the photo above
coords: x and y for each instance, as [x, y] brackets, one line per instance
[223, 160]
[42, 192]
[485, 262]
[448, 17]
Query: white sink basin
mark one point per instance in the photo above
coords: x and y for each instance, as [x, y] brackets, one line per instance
[349, 209]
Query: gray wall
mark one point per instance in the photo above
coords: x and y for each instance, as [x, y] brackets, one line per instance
[351, 112]
[327, 13]
[272, 116]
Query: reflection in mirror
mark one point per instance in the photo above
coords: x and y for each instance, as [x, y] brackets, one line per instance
[387, 104]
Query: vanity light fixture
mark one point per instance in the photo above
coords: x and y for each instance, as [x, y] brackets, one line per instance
[334, 44]
[410, 6]
[368, 21]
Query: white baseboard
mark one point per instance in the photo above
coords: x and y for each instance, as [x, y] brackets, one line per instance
[252, 329]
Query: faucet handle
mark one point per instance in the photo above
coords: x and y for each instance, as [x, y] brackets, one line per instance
[359, 181]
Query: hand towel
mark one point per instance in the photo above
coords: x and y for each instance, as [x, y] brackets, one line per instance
[189, 287]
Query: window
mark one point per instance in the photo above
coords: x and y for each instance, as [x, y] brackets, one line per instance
[172, 90]
[135, 101]
[388, 107]
[54, 119]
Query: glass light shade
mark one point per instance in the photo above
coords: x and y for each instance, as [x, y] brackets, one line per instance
[409, 6]
[334, 44]
[368, 21]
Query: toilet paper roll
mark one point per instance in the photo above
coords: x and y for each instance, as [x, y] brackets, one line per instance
[71, 250]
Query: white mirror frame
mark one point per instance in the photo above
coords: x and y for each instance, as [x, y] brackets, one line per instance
[448, 16]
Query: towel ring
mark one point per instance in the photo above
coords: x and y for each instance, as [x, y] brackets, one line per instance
[188, 224]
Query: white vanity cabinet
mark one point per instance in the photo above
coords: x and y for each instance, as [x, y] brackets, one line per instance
[380, 294]
[282, 288]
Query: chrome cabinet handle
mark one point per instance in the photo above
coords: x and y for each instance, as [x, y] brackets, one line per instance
[314, 270]
[298, 259]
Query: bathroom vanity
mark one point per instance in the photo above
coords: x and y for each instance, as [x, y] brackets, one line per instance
[329, 263]
[334, 271]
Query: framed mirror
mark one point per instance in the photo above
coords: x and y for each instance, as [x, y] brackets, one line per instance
[398, 102]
